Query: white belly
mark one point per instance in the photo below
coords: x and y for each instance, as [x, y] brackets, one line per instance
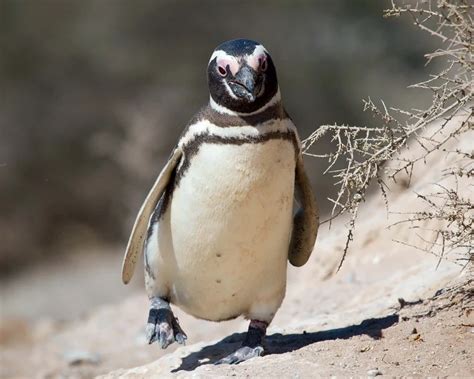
[223, 242]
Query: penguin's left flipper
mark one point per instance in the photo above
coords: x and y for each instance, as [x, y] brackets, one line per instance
[306, 219]
[139, 231]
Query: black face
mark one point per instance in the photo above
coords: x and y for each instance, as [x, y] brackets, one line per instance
[242, 76]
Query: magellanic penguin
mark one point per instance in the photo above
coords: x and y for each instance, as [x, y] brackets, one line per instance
[218, 226]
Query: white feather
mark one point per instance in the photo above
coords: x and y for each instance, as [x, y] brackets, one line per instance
[221, 248]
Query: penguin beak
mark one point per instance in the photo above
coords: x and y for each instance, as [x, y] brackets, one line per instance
[245, 84]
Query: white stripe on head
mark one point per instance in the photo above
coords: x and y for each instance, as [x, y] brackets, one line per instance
[218, 53]
[229, 91]
[223, 59]
[253, 60]
[221, 109]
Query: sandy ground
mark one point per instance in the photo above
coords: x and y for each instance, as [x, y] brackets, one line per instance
[401, 343]
[76, 320]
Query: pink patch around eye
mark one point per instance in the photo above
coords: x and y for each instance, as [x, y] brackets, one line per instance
[258, 62]
[224, 62]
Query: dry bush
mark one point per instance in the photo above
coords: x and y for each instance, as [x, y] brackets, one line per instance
[362, 153]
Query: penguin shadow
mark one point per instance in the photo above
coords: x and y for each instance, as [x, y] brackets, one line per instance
[284, 343]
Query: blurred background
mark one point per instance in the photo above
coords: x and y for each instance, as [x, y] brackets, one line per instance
[94, 94]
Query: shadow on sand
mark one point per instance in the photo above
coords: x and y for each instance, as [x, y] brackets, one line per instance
[278, 343]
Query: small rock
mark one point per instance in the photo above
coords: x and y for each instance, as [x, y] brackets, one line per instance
[374, 372]
[77, 357]
[416, 337]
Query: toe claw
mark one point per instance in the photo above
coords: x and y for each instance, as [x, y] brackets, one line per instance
[181, 338]
[150, 333]
[162, 342]
[166, 334]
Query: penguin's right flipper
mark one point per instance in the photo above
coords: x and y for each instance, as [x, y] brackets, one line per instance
[139, 231]
[305, 221]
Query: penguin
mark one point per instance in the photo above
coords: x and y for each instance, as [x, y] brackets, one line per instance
[221, 221]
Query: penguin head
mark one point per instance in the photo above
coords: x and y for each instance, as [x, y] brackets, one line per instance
[241, 76]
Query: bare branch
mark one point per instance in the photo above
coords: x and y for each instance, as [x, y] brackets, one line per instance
[361, 152]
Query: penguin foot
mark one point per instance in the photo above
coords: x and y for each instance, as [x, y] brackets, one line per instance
[163, 327]
[241, 355]
[251, 347]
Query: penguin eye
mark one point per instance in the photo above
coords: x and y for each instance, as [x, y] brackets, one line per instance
[222, 70]
[263, 64]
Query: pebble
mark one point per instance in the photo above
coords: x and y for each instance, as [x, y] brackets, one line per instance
[374, 372]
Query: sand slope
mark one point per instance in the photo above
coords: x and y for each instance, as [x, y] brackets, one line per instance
[345, 323]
